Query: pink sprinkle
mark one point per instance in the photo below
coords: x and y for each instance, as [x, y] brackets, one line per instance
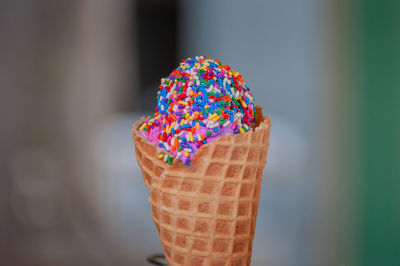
[234, 125]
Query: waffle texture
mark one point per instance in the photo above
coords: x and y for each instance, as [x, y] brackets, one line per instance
[206, 214]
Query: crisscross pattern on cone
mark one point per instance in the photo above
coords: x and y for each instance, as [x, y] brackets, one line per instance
[206, 214]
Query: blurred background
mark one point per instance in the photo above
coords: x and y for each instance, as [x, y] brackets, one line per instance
[75, 75]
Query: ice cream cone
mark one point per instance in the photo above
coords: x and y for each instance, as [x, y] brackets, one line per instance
[206, 214]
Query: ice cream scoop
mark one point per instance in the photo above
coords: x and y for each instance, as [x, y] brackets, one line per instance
[200, 101]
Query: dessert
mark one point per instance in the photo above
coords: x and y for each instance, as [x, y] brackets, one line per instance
[202, 155]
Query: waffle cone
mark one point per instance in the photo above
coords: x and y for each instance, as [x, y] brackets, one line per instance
[206, 214]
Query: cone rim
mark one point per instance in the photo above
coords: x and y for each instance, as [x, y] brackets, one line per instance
[261, 123]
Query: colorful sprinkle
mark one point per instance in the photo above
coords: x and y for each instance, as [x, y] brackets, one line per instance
[200, 101]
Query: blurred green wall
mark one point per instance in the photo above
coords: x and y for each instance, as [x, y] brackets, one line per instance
[378, 147]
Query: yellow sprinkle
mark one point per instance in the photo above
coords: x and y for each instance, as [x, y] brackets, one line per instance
[198, 125]
[160, 156]
[186, 154]
[183, 103]
[142, 127]
[182, 122]
[215, 118]
[215, 78]
[212, 116]
[173, 124]
[168, 130]
[190, 78]
[190, 136]
[187, 116]
[241, 130]
[243, 102]
[236, 74]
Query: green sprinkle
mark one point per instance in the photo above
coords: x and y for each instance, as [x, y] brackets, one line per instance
[212, 93]
[208, 133]
[180, 148]
[222, 121]
[169, 160]
[205, 82]
[145, 129]
[235, 101]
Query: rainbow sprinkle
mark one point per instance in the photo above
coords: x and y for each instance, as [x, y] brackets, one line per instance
[198, 102]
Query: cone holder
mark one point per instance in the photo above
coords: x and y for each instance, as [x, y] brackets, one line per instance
[157, 259]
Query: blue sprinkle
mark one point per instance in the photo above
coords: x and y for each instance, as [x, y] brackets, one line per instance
[216, 129]
[185, 145]
[204, 110]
